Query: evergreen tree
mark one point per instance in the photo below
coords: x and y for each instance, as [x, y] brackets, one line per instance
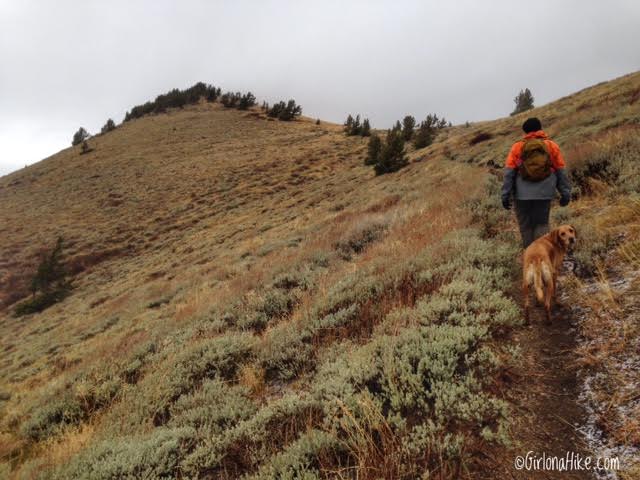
[80, 136]
[393, 156]
[246, 101]
[348, 125]
[373, 150]
[427, 130]
[286, 112]
[365, 131]
[408, 124]
[356, 129]
[49, 284]
[212, 93]
[51, 273]
[523, 101]
[109, 126]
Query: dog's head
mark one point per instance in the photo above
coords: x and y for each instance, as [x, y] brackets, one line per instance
[564, 236]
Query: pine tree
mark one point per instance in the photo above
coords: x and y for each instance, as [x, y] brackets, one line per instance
[286, 112]
[373, 150]
[427, 130]
[523, 101]
[357, 127]
[51, 273]
[80, 136]
[246, 101]
[109, 126]
[408, 124]
[49, 284]
[393, 156]
[348, 125]
[365, 131]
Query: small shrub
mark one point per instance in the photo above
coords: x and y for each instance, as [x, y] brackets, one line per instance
[213, 408]
[214, 358]
[253, 441]
[153, 455]
[302, 459]
[85, 148]
[487, 210]
[287, 352]
[358, 238]
[480, 137]
[51, 418]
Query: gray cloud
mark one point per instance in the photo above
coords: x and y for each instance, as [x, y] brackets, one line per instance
[64, 64]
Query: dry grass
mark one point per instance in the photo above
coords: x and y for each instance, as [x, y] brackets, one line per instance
[175, 216]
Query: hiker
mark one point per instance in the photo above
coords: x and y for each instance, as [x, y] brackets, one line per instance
[533, 171]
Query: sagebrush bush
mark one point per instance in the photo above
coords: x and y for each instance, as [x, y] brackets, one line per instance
[253, 441]
[487, 210]
[615, 160]
[153, 455]
[184, 371]
[286, 352]
[356, 239]
[212, 409]
[51, 418]
[303, 459]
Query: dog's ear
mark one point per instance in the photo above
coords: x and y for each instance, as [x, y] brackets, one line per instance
[555, 236]
[575, 232]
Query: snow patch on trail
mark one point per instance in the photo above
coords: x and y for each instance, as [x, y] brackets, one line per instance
[593, 383]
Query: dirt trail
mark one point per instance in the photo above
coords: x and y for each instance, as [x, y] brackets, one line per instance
[545, 395]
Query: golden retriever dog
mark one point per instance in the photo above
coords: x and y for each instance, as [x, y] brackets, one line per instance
[541, 263]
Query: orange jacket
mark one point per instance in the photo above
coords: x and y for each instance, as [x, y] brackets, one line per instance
[513, 159]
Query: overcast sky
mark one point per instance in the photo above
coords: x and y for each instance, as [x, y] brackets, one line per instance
[65, 64]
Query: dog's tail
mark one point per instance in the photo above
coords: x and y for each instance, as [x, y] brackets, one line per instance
[534, 275]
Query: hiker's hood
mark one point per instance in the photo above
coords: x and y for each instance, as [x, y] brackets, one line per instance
[536, 134]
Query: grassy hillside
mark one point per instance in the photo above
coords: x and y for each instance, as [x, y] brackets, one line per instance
[249, 300]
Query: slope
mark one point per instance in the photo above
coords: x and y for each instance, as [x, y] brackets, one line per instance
[249, 299]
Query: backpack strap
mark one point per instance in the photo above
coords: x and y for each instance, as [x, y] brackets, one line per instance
[553, 169]
[519, 159]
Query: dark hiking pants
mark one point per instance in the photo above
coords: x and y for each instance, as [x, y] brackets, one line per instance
[533, 219]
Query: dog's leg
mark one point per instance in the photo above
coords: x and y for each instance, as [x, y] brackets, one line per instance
[548, 298]
[525, 294]
[549, 281]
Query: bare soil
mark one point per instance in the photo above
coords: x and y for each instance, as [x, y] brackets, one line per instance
[544, 393]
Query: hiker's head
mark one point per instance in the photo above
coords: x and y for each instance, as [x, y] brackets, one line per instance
[531, 125]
